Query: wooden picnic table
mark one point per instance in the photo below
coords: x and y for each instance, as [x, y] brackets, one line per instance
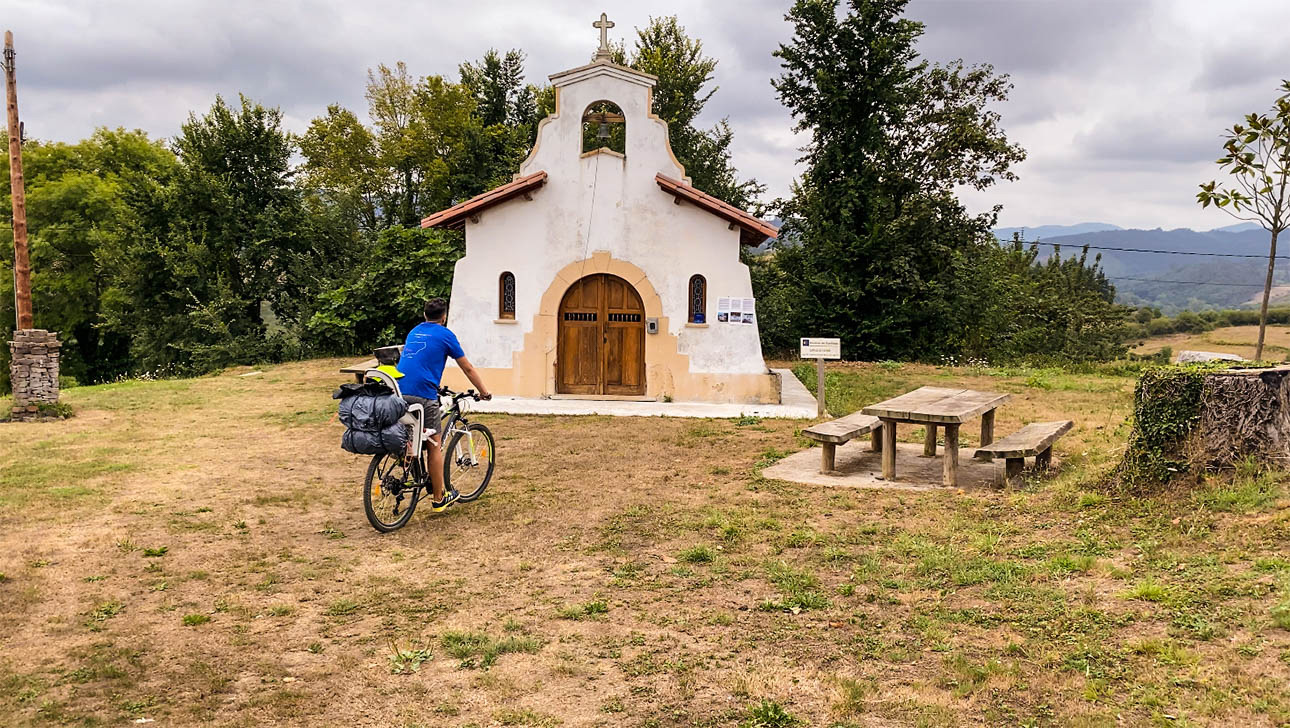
[359, 370]
[935, 407]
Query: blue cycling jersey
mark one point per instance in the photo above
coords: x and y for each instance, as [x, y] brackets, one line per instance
[425, 353]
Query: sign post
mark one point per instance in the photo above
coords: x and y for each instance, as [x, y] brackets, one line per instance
[819, 350]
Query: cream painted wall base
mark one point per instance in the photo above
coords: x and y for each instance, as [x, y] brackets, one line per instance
[667, 371]
[685, 387]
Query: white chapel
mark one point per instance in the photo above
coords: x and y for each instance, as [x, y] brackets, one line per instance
[601, 272]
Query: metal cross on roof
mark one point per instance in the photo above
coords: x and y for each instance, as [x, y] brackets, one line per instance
[604, 24]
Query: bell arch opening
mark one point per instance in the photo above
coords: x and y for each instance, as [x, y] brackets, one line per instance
[604, 127]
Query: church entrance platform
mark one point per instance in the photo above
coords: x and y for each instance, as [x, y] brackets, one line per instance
[795, 403]
[859, 467]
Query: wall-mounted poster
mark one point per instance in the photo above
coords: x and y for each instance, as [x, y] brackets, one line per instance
[736, 310]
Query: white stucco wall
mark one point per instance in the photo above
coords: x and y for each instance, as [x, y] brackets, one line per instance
[602, 202]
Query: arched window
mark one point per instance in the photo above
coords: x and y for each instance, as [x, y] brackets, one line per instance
[506, 296]
[698, 294]
[604, 127]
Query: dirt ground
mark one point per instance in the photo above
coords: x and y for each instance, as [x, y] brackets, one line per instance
[195, 552]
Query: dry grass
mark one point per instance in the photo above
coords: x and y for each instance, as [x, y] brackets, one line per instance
[631, 572]
[1239, 340]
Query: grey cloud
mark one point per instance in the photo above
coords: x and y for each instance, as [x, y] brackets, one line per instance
[1149, 139]
[1040, 36]
[1115, 100]
[1239, 66]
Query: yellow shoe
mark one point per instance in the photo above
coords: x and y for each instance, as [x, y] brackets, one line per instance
[448, 499]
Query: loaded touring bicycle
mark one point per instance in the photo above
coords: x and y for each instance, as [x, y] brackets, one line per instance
[397, 480]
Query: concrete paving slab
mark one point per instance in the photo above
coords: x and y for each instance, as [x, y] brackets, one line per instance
[859, 467]
[796, 402]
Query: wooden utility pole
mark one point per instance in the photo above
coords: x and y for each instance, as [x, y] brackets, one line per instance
[21, 258]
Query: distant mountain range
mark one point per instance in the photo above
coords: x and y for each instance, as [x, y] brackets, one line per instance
[1051, 231]
[1170, 277]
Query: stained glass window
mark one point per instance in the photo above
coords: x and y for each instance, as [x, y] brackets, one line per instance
[506, 296]
[698, 300]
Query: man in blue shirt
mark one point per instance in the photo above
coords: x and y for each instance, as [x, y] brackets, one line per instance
[425, 353]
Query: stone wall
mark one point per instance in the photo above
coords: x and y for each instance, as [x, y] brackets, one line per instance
[34, 372]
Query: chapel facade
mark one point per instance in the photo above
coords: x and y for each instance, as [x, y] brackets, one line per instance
[597, 272]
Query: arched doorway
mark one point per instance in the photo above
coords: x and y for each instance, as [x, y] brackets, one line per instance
[601, 342]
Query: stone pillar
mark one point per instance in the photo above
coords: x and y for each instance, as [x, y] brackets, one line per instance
[33, 370]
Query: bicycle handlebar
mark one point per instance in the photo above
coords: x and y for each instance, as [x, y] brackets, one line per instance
[445, 392]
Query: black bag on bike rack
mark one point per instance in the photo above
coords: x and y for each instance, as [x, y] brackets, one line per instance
[370, 413]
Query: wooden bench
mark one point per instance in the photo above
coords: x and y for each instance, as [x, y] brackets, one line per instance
[836, 432]
[1035, 439]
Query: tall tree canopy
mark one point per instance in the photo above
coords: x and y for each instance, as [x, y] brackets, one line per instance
[86, 203]
[876, 248]
[196, 286]
[684, 73]
[883, 241]
[506, 116]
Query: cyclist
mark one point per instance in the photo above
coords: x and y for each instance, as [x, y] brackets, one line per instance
[425, 353]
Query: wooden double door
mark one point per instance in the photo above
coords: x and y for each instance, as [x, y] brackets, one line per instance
[601, 346]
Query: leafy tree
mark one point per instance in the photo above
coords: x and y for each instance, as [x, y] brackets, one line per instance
[665, 50]
[381, 297]
[1058, 309]
[196, 287]
[1257, 156]
[85, 203]
[421, 130]
[497, 83]
[506, 116]
[342, 163]
[884, 247]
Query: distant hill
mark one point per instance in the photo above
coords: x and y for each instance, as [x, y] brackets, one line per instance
[1178, 282]
[1049, 231]
[1169, 282]
[1239, 227]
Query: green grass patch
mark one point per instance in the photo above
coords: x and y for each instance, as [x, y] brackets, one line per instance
[477, 649]
[769, 714]
[799, 589]
[700, 554]
[587, 610]
[1148, 590]
[343, 607]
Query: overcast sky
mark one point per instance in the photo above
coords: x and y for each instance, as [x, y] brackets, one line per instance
[1119, 103]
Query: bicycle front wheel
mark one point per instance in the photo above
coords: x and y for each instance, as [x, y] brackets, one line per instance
[389, 492]
[468, 461]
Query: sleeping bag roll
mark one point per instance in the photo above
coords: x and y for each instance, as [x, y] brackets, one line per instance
[370, 413]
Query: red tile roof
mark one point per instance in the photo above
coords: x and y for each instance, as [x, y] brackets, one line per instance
[455, 217]
[755, 230]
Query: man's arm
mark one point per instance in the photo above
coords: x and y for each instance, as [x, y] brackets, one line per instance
[473, 375]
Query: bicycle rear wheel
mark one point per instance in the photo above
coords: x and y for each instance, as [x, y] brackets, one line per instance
[468, 461]
[389, 492]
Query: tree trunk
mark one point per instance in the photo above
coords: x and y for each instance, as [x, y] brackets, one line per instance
[1244, 414]
[1267, 292]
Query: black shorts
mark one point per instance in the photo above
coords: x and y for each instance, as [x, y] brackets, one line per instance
[432, 410]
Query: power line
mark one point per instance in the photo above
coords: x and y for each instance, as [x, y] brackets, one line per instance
[1193, 283]
[1147, 250]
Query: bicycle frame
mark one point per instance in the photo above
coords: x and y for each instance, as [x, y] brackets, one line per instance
[455, 421]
